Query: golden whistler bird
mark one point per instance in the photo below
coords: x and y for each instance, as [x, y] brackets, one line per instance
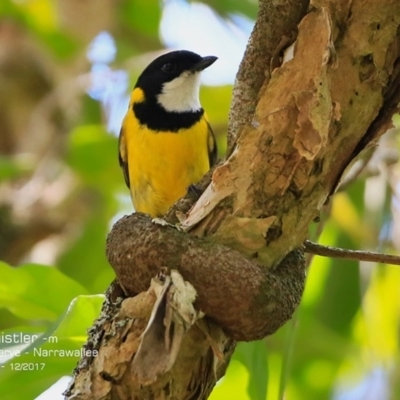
[166, 143]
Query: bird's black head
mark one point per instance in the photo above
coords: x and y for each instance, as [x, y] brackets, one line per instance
[173, 79]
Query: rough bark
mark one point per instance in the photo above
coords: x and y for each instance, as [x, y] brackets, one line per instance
[116, 335]
[310, 118]
[274, 30]
[316, 114]
[267, 298]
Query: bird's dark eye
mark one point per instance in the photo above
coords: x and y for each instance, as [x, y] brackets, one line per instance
[168, 68]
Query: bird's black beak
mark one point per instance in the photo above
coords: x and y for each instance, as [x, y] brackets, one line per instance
[204, 63]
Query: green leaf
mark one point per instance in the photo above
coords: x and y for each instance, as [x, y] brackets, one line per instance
[254, 356]
[216, 101]
[24, 334]
[12, 167]
[8, 8]
[89, 250]
[61, 45]
[36, 292]
[233, 385]
[142, 15]
[52, 355]
[93, 153]
[226, 7]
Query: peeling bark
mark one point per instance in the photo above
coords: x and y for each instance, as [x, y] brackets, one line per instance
[116, 336]
[316, 114]
[274, 30]
[299, 127]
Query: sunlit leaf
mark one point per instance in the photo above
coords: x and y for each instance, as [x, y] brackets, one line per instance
[36, 292]
[52, 355]
[233, 385]
[377, 325]
[254, 356]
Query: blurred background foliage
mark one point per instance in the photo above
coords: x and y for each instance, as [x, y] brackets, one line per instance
[66, 67]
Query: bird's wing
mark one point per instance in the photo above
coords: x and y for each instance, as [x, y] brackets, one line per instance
[212, 146]
[123, 157]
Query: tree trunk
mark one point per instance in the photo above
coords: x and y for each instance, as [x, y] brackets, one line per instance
[295, 127]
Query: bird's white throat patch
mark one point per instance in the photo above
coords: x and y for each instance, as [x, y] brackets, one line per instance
[182, 93]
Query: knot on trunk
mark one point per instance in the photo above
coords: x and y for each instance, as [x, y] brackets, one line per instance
[248, 300]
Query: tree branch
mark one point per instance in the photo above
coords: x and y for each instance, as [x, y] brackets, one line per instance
[335, 252]
[274, 30]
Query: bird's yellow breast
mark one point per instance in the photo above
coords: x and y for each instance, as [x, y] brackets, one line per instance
[162, 165]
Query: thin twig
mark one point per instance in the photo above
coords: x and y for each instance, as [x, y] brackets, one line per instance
[328, 251]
